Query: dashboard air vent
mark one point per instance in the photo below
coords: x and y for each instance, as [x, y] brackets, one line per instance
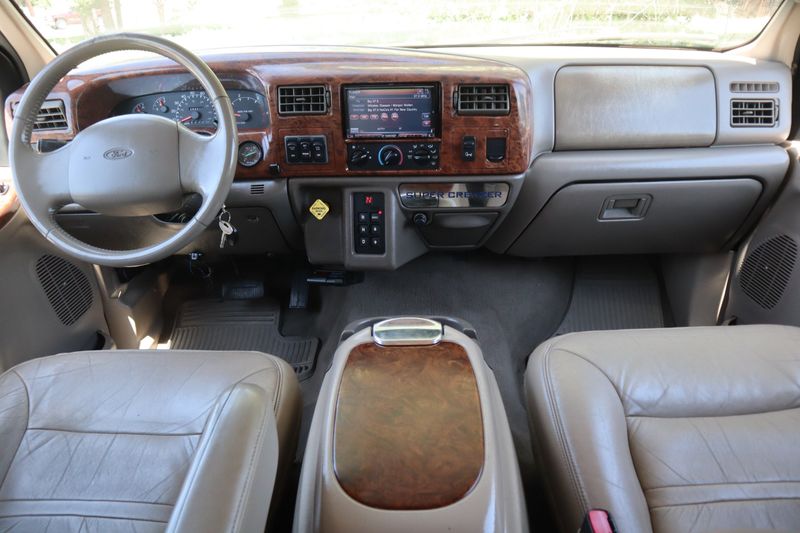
[51, 116]
[754, 113]
[302, 100]
[257, 188]
[482, 100]
[755, 87]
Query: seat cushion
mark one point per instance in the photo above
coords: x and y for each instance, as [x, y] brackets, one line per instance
[144, 440]
[671, 430]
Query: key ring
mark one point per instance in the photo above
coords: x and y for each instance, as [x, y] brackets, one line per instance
[222, 215]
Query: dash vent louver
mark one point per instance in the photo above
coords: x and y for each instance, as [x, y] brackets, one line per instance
[67, 288]
[766, 270]
[257, 188]
[754, 113]
[303, 100]
[51, 117]
[482, 100]
[755, 87]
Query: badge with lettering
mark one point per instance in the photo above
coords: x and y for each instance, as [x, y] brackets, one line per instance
[319, 209]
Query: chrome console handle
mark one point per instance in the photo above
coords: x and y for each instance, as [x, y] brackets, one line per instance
[407, 331]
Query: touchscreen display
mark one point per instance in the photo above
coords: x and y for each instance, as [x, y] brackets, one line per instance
[389, 112]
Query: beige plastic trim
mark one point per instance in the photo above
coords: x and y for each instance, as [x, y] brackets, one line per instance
[495, 504]
[610, 107]
[778, 40]
[34, 52]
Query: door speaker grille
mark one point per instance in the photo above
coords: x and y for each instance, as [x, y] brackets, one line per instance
[767, 270]
[67, 288]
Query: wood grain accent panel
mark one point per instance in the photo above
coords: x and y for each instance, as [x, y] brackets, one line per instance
[408, 430]
[91, 95]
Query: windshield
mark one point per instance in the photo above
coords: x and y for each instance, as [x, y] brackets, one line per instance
[206, 24]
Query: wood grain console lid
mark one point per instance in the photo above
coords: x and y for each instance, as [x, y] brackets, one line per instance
[408, 429]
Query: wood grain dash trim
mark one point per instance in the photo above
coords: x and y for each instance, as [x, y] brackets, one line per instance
[408, 430]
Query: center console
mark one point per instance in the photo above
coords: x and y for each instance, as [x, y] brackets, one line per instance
[409, 434]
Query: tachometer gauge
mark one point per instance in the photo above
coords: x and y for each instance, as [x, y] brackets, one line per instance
[195, 109]
[244, 108]
[250, 154]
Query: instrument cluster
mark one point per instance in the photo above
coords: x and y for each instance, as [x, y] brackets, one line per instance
[195, 110]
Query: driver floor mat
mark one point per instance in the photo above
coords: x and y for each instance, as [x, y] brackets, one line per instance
[241, 325]
[614, 293]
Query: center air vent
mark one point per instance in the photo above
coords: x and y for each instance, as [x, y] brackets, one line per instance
[302, 100]
[754, 113]
[482, 100]
[51, 116]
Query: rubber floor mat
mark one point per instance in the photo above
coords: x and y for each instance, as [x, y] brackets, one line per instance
[241, 325]
[614, 294]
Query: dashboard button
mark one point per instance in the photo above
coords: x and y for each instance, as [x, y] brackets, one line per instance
[374, 217]
[363, 230]
[376, 242]
[363, 217]
[375, 230]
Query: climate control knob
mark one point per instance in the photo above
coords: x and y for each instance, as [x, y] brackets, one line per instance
[421, 155]
[390, 156]
[359, 157]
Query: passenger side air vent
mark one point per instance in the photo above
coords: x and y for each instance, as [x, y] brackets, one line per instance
[482, 100]
[754, 113]
[767, 270]
[303, 100]
[66, 287]
[755, 87]
[51, 116]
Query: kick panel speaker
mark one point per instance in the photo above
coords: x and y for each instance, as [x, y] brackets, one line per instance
[67, 288]
[767, 270]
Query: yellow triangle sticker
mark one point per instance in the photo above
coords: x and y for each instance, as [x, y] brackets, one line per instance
[319, 209]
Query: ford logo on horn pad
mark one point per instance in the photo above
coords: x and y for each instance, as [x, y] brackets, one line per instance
[116, 154]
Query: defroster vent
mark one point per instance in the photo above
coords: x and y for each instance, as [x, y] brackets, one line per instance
[67, 288]
[766, 270]
[482, 100]
[303, 100]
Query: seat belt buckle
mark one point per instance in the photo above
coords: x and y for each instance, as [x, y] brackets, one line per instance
[597, 521]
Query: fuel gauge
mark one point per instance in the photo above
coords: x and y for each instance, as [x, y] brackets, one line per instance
[160, 105]
[250, 154]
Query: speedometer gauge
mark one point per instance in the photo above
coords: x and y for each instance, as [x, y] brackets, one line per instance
[195, 109]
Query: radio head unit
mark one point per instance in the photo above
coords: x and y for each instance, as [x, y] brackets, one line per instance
[391, 111]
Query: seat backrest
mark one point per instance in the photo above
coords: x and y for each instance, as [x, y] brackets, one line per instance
[682, 430]
[123, 440]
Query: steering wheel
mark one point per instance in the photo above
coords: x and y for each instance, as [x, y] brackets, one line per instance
[129, 165]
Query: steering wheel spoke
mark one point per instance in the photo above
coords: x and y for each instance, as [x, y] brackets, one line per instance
[196, 164]
[43, 180]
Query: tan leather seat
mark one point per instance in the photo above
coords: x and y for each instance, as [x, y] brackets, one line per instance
[671, 430]
[144, 441]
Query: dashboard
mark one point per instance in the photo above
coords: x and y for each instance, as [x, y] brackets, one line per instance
[366, 158]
